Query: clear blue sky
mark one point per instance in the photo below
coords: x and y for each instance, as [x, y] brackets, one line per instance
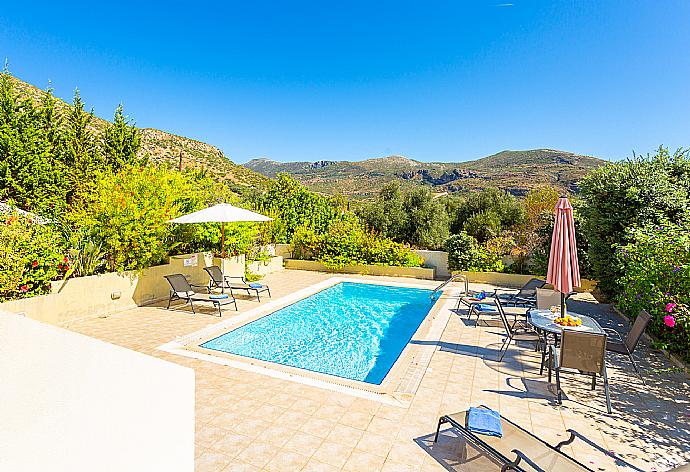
[352, 80]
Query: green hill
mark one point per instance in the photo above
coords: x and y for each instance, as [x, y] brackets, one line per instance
[163, 147]
[513, 171]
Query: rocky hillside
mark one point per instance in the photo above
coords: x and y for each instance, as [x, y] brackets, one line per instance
[514, 171]
[163, 147]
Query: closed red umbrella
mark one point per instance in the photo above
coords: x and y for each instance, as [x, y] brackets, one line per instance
[564, 269]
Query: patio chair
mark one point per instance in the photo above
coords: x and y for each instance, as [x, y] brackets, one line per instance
[218, 280]
[547, 298]
[526, 296]
[515, 333]
[615, 343]
[488, 306]
[517, 449]
[584, 352]
[180, 289]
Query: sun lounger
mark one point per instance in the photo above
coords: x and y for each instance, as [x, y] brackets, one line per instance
[182, 290]
[517, 449]
[218, 280]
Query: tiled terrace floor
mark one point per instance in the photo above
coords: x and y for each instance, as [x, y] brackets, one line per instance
[247, 421]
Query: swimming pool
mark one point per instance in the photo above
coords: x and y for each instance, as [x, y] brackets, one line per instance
[351, 330]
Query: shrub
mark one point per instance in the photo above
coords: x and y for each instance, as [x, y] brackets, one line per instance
[462, 251]
[31, 255]
[414, 217]
[296, 206]
[348, 243]
[127, 214]
[465, 253]
[509, 209]
[483, 225]
[634, 193]
[656, 277]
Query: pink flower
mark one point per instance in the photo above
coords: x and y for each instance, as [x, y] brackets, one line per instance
[670, 307]
[24, 288]
[669, 321]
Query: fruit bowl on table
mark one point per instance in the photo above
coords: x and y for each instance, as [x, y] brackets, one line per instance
[568, 321]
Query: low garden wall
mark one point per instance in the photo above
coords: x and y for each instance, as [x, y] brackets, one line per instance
[514, 280]
[98, 295]
[262, 268]
[390, 271]
[437, 260]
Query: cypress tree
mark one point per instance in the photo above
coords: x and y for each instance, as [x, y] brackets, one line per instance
[82, 154]
[121, 142]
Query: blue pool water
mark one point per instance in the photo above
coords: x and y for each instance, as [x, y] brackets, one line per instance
[351, 330]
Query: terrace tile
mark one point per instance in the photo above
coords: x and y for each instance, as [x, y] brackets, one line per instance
[247, 421]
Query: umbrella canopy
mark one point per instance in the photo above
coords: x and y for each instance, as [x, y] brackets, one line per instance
[221, 213]
[564, 269]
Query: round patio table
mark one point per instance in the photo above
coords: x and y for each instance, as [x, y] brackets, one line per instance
[543, 320]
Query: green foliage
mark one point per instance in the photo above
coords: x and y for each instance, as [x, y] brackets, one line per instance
[251, 277]
[128, 212]
[47, 156]
[387, 214]
[240, 238]
[348, 243]
[296, 206]
[121, 142]
[655, 264]
[539, 212]
[634, 193]
[483, 225]
[508, 211]
[82, 153]
[413, 218]
[31, 255]
[87, 255]
[32, 175]
[462, 249]
[465, 253]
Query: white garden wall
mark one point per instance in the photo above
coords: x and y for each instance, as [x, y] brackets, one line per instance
[72, 403]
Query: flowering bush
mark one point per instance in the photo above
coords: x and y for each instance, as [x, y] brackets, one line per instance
[347, 242]
[128, 212]
[656, 268]
[31, 255]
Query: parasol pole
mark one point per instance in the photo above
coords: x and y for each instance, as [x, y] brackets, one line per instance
[222, 253]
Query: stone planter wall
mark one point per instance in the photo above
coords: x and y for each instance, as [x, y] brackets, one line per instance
[274, 264]
[98, 295]
[416, 272]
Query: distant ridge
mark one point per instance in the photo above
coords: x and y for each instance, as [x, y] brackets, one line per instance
[514, 171]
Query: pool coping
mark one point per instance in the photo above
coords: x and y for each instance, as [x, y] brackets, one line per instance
[399, 384]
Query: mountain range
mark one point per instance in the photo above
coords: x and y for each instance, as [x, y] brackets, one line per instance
[514, 171]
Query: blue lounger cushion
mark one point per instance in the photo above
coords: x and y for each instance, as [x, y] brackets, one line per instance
[219, 296]
[485, 307]
[484, 421]
[255, 285]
